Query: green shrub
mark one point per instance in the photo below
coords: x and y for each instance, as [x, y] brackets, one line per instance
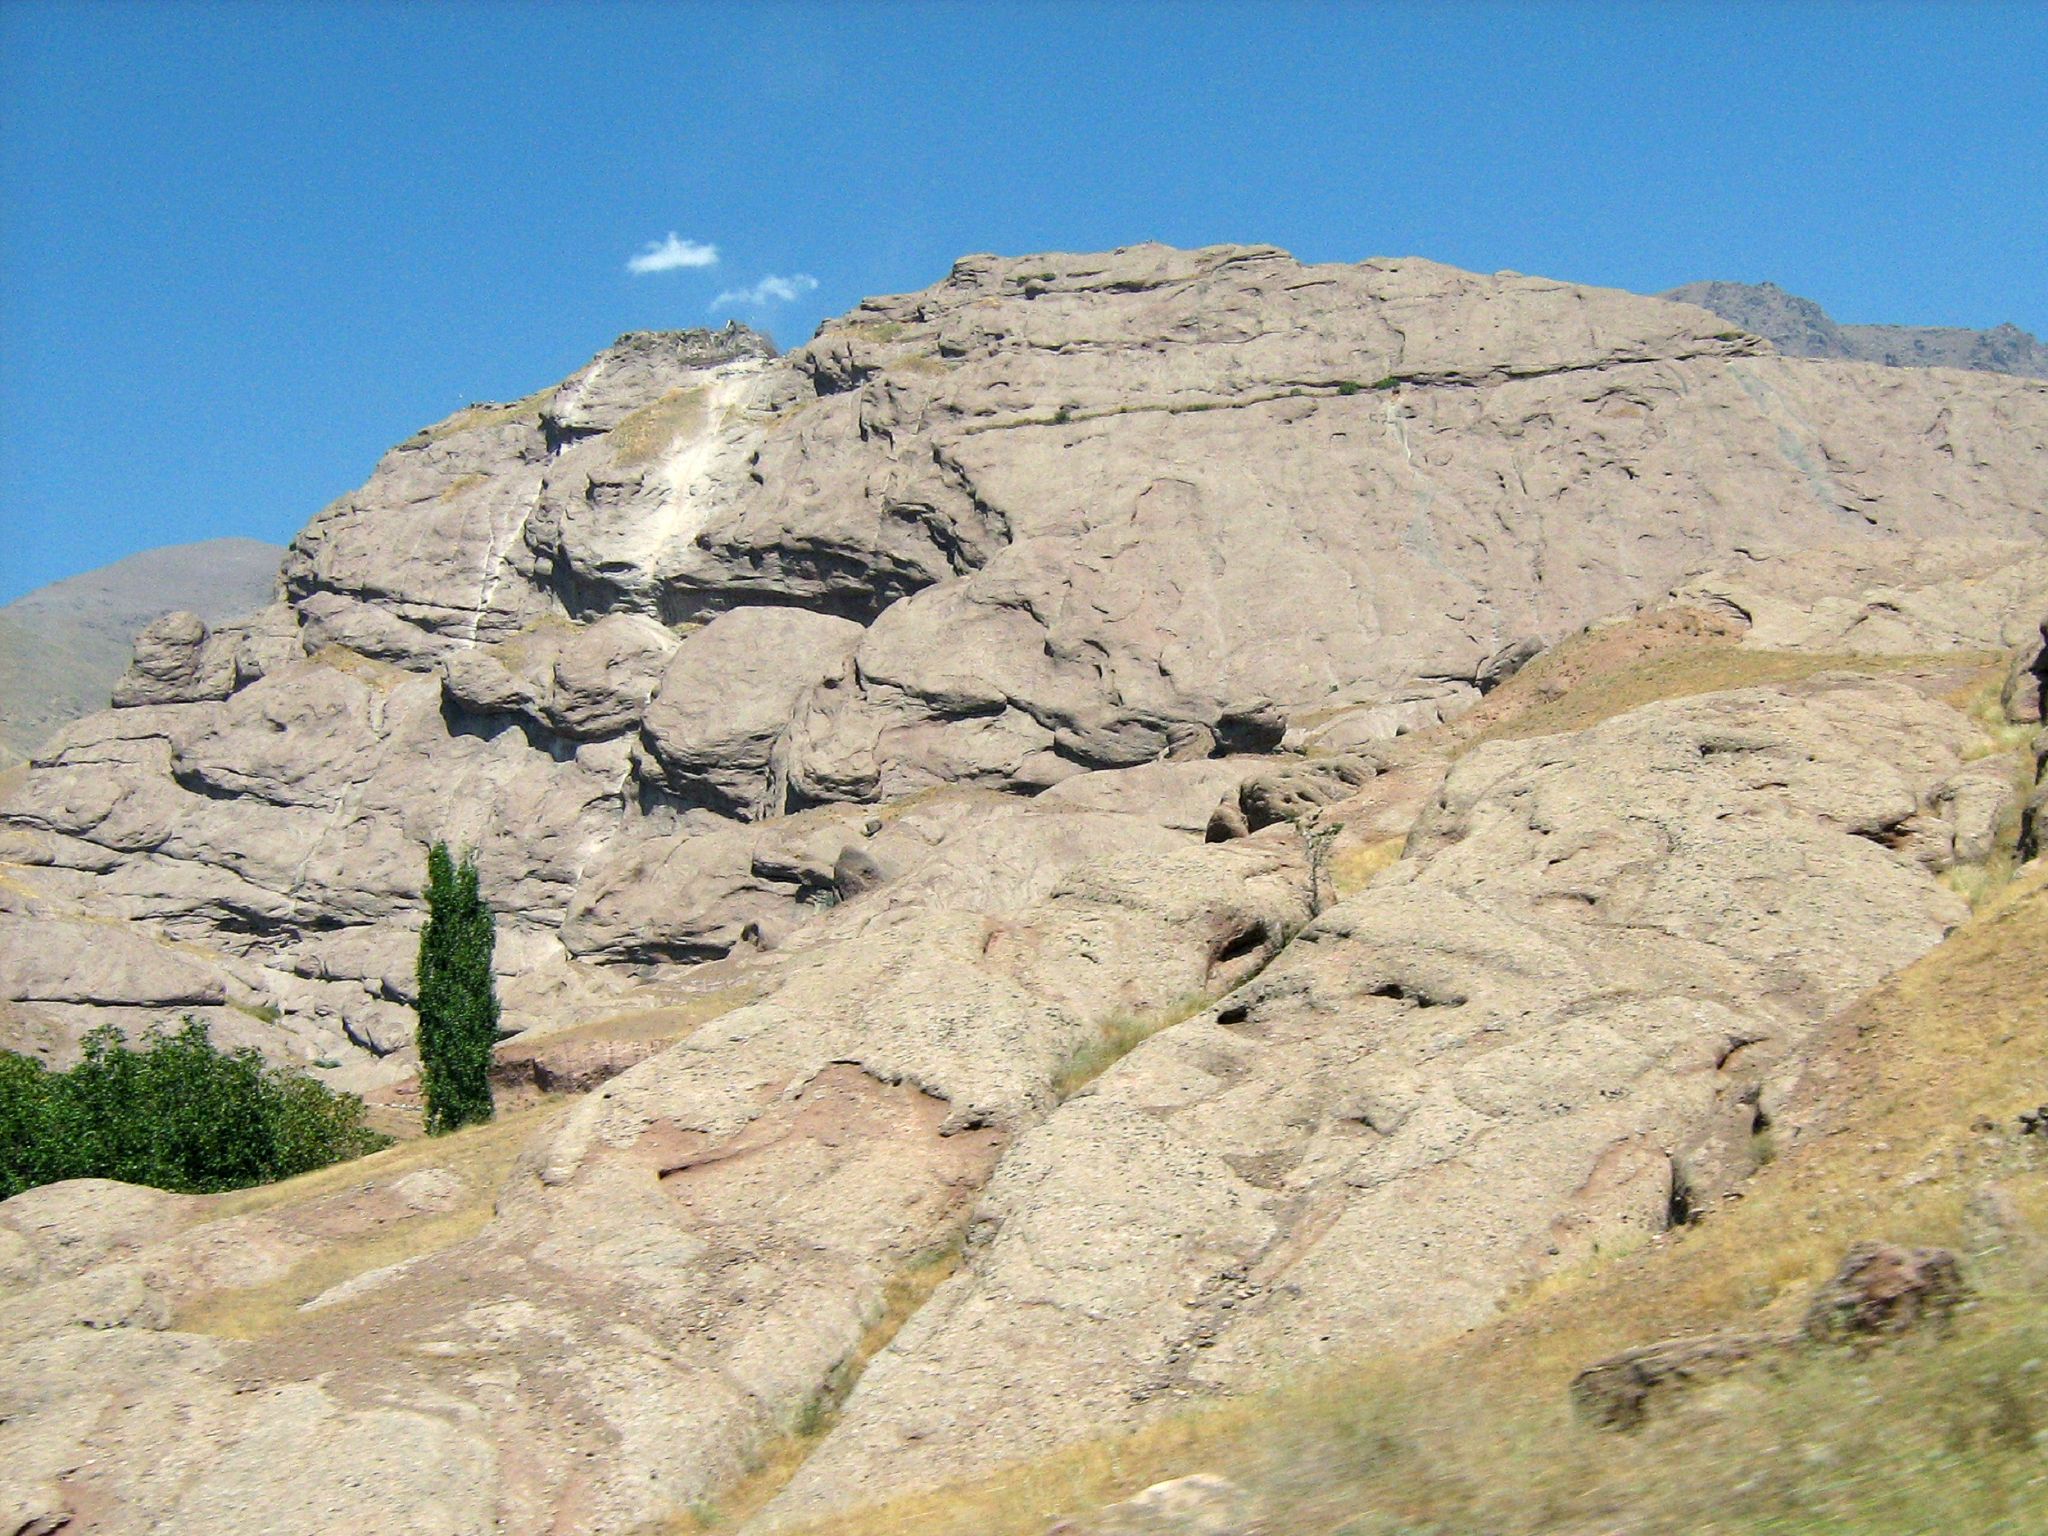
[458, 1006]
[175, 1112]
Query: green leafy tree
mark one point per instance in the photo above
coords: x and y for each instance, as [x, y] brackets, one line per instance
[25, 1151]
[174, 1112]
[458, 1005]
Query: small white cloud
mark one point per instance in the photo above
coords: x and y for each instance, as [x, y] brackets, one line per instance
[771, 290]
[667, 255]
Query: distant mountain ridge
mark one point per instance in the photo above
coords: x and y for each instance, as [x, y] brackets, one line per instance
[63, 646]
[1801, 328]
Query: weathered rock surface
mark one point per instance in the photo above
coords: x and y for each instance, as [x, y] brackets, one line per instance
[62, 1230]
[1882, 1290]
[1201, 1504]
[719, 732]
[688, 1252]
[1617, 1393]
[1879, 599]
[174, 664]
[1300, 789]
[1547, 1029]
[1047, 518]
[892, 685]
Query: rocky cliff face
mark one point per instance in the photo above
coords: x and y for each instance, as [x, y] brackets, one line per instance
[862, 746]
[1801, 328]
[1050, 517]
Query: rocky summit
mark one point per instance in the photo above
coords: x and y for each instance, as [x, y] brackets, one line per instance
[1094, 834]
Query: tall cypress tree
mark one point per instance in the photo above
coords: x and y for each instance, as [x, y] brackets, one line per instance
[458, 1005]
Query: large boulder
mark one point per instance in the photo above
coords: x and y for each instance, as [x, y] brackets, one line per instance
[1881, 1290]
[176, 663]
[604, 676]
[727, 700]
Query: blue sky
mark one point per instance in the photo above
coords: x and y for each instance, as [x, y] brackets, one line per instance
[246, 247]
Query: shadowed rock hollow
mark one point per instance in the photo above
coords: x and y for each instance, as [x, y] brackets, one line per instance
[863, 745]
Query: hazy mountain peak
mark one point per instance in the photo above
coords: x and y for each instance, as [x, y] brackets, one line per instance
[1799, 327]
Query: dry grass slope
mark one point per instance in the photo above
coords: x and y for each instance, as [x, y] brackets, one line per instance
[1708, 669]
[1117, 1036]
[481, 1156]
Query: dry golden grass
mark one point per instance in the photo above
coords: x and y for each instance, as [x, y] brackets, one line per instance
[1117, 1036]
[476, 417]
[1981, 701]
[381, 675]
[481, 1155]
[869, 330]
[256, 1312]
[933, 794]
[917, 362]
[1686, 673]
[652, 430]
[1979, 883]
[668, 1023]
[461, 485]
[1477, 1435]
[1353, 867]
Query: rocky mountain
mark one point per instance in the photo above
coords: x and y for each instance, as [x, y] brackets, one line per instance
[1102, 828]
[1801, 328]
[64, 646]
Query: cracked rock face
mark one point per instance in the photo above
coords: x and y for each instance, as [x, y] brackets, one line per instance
[841, 735]
[1553, 1016]
[1050, 517]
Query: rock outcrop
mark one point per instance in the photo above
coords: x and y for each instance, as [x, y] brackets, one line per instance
[1051, 517]
[63, 647]
[1549, 1028]
[1201, 1504]
[1879, 1291]
[862, 747]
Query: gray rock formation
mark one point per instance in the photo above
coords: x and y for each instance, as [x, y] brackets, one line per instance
[1801, 328]
[1548, 1026]
[718, 734]
[178, 660]
[867, 708]
[1201, 1504]
[1049, 518]
[63, 647]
